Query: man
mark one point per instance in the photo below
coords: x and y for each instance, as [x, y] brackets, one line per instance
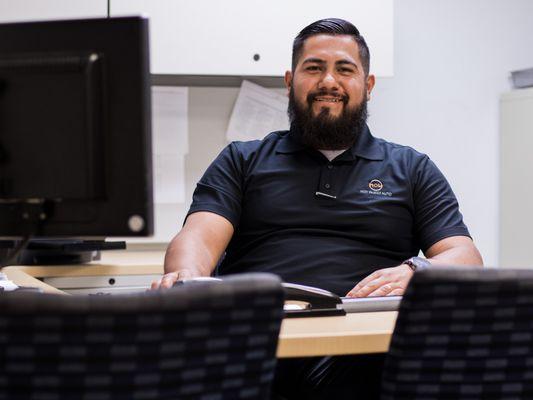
[325, 204]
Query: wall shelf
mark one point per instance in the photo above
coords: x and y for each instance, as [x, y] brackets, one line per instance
[275, 82]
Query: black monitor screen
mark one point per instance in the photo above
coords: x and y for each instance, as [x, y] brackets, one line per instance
[75, 138]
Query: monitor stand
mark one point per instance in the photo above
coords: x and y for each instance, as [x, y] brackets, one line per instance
[59, 251]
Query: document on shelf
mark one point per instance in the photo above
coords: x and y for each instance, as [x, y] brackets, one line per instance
[170, 138]
[257, 112]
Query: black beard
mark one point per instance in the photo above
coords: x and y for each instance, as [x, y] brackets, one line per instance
[324, 132]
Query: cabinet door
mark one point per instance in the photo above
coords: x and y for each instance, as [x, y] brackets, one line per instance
[250, 37]
[516, 175]
[34, 10]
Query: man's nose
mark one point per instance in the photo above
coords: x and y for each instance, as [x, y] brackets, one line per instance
[328, 81]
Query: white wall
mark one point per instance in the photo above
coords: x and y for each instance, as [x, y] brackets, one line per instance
[452, 61]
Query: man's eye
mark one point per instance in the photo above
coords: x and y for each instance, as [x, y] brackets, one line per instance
[313, 68]
[346, 70]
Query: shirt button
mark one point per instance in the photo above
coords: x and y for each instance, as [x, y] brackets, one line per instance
[327, 185]
[330, 166]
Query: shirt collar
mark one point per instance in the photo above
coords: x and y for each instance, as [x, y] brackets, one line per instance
[289, 143]
[366, 146]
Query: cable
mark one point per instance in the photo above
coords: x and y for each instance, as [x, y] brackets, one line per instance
[34, 213]
[12, 258]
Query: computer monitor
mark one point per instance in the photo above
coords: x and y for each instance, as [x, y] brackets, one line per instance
[75, 129]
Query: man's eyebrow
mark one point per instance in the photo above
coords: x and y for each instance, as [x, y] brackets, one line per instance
[342, 62]
[314, 60]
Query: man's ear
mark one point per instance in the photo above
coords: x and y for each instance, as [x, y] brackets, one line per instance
[370, 82]
[288, 80]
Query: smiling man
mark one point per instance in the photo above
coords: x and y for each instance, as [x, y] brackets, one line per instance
[324, 204]
[332, 85]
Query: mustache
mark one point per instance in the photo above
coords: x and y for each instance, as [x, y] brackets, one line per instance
[313, 95]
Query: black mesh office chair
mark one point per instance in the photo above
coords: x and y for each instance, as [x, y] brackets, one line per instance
[463, 333]
[206, 341]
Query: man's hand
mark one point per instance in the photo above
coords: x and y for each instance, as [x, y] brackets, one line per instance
[383, 282]
[168, 280]
[453, 250]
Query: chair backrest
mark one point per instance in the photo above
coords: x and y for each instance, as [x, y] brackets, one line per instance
[463, 333]
[212, 340]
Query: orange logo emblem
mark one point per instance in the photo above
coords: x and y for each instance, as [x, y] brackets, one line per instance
[375, 185]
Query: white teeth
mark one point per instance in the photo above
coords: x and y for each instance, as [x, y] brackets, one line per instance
[328, 100]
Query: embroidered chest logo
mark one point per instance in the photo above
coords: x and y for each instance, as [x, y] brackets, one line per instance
[376, 188]
[375, 185]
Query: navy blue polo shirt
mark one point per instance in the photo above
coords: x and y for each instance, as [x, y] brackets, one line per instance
[321, 223]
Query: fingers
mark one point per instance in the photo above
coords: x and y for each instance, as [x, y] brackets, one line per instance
[383, 290]
[388, 290]
[379, 287]
[369, 280]
[390, 281]
[376, 287]
[366, 289]
[397, 292]
[166, 281]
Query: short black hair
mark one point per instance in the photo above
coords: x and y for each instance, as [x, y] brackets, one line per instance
[331, 26]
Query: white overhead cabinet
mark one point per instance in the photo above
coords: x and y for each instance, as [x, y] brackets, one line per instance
[250, 37]
[40, 10]
[516, 178]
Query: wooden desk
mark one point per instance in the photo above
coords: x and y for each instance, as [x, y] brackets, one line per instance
[355, 333]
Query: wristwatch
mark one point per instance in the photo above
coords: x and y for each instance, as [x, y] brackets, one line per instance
[417, 263]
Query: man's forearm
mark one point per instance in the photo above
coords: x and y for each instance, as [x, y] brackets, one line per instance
[460, 255]
[195, 251]
[189, 256]
[393, 280]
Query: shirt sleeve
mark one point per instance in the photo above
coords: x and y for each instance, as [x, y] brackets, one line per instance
[437, 214]
[221, 187]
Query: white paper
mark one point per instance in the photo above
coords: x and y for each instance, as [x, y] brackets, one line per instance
[170, 142]
[6, 283]
[257, 112]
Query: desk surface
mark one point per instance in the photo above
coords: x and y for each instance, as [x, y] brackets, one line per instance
[355, 333]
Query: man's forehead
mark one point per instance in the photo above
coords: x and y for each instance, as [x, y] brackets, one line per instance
[319, 46]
